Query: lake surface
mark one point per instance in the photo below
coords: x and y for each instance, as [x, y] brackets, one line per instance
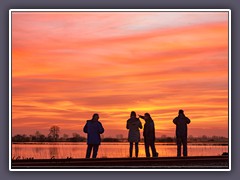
[108, 150]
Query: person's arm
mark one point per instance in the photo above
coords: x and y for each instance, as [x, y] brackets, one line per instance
[187, 120]
[175, 120]
[85, 129]
[127, 126]
[101, 129]
[142, 117]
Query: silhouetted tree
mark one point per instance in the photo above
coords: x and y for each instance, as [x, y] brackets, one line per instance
[64, 137]
[42, 138]
[21, 138]
[32, 138]
[77, 138]
[39, 137]
[54, 133]
[18, 138]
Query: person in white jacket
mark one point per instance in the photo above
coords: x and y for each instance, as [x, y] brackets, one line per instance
[133, 124]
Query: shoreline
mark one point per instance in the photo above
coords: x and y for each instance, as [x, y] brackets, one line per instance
[193, 162]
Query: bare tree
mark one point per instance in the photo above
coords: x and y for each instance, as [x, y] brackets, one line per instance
[54, 133]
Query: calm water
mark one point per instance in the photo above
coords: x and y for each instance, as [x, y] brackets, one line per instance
[109, 150]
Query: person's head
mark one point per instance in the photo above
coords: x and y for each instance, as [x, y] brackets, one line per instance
[133, 114]
[95, 117]
[147, 116]
[181, 112]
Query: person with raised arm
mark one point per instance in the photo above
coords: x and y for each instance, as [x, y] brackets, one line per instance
[149, 135]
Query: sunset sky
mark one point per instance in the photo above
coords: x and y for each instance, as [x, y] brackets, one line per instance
[68, 65]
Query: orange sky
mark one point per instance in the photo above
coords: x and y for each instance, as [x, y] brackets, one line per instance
[68, 65]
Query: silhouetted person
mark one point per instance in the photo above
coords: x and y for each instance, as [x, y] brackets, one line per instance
[133, 124]
[181, 122]
[149, 135]
[93, 128]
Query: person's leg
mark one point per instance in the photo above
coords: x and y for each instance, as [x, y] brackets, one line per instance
[146, 144]
[89, 149]
[184, 141]
[179, 142]
[95, 150]
[153, 148]
[131, 149]
[136, 149]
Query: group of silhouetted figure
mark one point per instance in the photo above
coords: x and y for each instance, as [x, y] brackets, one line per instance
[94, 128]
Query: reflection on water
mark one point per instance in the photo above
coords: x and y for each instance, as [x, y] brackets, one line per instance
[37, 150]
[109, 150]
[53, 151]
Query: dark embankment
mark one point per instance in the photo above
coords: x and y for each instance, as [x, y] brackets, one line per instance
[199, 162]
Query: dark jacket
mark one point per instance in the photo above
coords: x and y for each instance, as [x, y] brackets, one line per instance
[181, 122]
[149, 131]
[93, 130]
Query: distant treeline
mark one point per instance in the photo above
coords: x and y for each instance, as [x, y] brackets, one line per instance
[54, 131]
[42, 138]
[53, 136]
[77, 138]
[205, 138]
